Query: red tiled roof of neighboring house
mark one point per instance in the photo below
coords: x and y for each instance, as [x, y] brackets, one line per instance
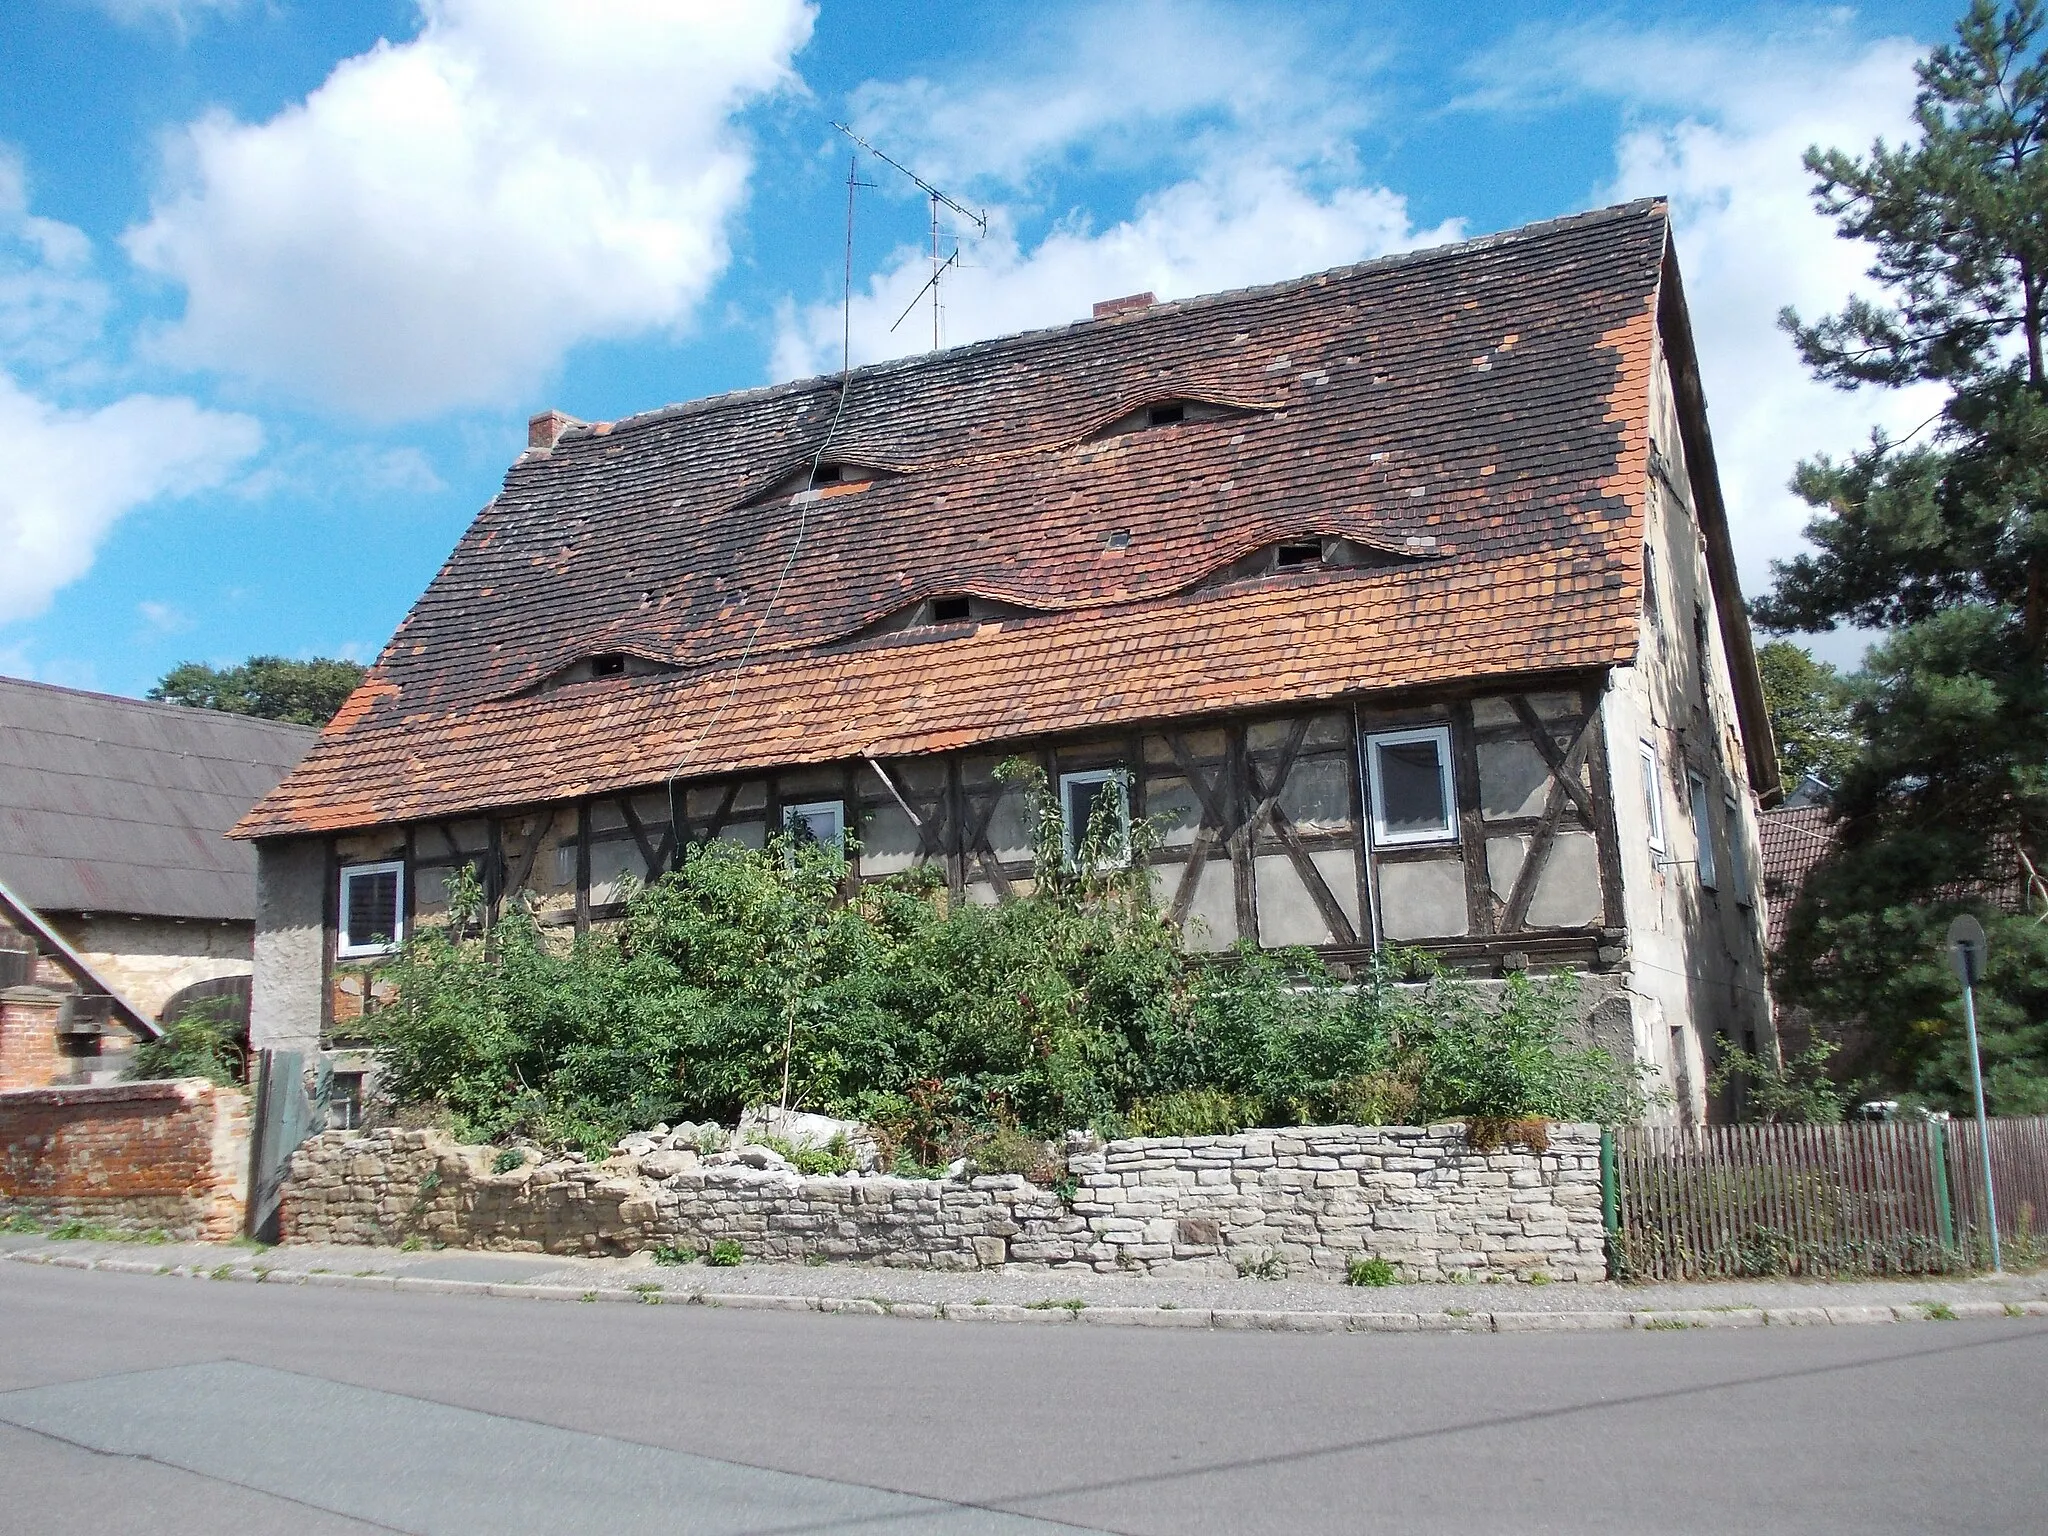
[1793, 838]
[1476, 415]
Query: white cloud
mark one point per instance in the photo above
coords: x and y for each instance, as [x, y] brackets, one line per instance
[1719, 125]
[182, 15]
[1248, 224]
[439, 222]
[72, 474]
[51, 306]
[1242, 123]
[163, 618]
[318, 470]
[1139, 83]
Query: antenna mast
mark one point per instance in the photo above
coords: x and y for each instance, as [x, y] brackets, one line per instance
[936, 197]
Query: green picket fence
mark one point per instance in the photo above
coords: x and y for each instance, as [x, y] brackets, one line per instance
[1895, 1198]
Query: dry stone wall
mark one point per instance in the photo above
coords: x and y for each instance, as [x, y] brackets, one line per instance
[1309, 1201]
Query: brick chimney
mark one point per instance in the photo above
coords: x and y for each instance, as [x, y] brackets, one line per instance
[1124, 306]
[546, 429]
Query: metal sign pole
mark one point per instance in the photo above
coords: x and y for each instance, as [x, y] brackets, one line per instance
[1967, 947]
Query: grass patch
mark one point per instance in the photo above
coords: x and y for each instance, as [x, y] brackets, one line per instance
[588, 1296]
[1666, 1324]
[93, 1232]
[1369, 1272]
[1536, 1277]
[221, 1272]
[669, 1253]
[1936, 1311]
[1073, 1304]
[1457, 1311]
[1261, 1264]
[725, 1254]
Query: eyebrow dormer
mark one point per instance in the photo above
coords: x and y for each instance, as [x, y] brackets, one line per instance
[1324, 552]
[827, 478]
[601, 665]
[945, 611]
[1171, 411]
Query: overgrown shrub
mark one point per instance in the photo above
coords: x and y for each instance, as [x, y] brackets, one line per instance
[751, 976]
[208, 1039]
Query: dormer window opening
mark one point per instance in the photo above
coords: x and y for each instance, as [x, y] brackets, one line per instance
[612, 664]
[950, 610]
[1289, 556]
[1165, 413]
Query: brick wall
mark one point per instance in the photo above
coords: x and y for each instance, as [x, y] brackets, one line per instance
[1311, 1199]
[30, 1056]
[133, 1156]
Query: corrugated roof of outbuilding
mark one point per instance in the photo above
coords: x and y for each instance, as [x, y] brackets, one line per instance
[121, 805]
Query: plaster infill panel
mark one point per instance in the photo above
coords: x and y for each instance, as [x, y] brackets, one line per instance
[1424, 899]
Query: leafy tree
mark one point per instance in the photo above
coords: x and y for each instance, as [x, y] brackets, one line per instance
[1944, 543]
[1810, 708]
[270, 687]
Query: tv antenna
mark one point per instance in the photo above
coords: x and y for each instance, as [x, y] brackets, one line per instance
[939, 265]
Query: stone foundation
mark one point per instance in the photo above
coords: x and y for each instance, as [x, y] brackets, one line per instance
[1305, 1201]
[172, 1156]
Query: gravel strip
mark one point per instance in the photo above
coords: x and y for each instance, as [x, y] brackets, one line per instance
[1061, 1298]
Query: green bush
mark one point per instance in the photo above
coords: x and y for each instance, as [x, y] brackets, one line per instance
[725, 1254]
[1192, 1112]
[207, 1039]
[753, 977]
[1369, 1272]
[507, 1160]
[1006, 1149]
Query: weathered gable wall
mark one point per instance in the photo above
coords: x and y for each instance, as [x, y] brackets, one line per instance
[1695, 908]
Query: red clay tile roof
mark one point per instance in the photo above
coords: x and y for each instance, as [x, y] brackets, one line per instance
[1792, 839]
[1491, 396]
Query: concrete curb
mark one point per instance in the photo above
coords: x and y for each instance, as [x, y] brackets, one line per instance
[1218, 1319]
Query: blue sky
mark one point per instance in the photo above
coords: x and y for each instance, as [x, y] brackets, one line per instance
[281, 280]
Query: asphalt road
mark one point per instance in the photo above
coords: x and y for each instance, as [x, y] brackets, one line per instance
[146, 1403]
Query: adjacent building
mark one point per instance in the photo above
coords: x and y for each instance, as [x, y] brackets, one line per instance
[121, 897]
[1400, 597]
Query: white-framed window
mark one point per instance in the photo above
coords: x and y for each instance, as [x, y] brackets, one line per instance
[1702, 829]
[1738, 852]
[1080, 796]
[1411, 785]
[372, 918]
[817, 821]
[1653, 795]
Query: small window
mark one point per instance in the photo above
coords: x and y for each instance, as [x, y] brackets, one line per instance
[1166, 415]
[344, 1104]
[371, 922]
[1411, 785]
[1653, 796]
[1650, 582]
[822, 822]
[950, 610]
[1085, 795]
[613, 665]
[1738, 853]
[1288, 556]
[1702, 829]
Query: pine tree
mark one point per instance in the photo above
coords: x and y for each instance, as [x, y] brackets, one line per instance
[1944, 544]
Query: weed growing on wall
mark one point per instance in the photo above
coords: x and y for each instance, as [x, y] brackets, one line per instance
[207, 1039]
[756, 976]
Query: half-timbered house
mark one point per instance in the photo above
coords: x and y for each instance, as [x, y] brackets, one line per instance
[1400, 596]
